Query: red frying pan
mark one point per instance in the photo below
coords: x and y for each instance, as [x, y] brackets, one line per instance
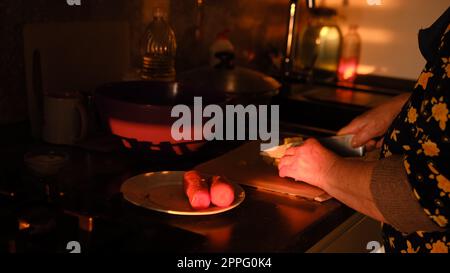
[139, 112]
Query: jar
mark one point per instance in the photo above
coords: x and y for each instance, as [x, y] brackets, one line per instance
[350, 55]
[317, 45]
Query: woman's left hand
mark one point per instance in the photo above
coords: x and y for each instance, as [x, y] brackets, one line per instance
[311, 163]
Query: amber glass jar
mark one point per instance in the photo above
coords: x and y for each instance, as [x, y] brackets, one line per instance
[319, 45]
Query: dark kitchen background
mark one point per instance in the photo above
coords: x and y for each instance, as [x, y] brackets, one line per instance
[257, 29]
[128, 18]
[83, 47]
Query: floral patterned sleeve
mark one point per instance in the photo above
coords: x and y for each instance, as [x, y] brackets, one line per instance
[423, 132]
[427, 161]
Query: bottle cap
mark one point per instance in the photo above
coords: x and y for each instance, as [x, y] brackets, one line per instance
[223, 35]
[322, 11]
[158, 13]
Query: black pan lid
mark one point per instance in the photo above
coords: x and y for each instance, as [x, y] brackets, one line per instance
[230, 79]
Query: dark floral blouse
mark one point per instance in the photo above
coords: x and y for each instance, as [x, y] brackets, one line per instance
[421, 132]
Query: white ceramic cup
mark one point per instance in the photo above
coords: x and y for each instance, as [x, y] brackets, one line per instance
[65, 119]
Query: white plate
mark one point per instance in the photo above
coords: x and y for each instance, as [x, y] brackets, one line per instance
[163, 192]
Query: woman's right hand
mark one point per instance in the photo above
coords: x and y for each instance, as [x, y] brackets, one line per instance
[374, 123]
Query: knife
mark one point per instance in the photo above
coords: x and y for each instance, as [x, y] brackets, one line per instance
[342, 145]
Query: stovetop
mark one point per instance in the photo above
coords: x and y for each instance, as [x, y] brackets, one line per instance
[83, 203]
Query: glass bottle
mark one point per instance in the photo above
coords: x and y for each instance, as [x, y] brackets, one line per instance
[350, 55]
[158, 50]
[320, 44]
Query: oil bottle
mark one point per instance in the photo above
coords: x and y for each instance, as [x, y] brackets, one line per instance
[159, 50]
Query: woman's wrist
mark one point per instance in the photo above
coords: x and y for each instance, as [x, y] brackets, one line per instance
[332, 177]
[393, 107]
[346, 171]
[399, 101]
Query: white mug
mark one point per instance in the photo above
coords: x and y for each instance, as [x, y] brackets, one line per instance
[65, 119]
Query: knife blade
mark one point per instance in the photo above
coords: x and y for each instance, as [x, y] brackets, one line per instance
[342, 145]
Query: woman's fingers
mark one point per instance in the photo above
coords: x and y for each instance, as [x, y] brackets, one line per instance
[282, 172]
[363, 137]
[380, 143]
[288, 165]
[370, 145]
[287, 171]
[290, 151]
[352, 128]
[286, 160]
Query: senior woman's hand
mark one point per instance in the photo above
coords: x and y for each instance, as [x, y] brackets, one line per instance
[374, 123]
[311, 163]
[347, 180]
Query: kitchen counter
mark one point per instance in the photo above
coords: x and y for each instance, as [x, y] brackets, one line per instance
[85, 205]
[265, 222]
[329, 107]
